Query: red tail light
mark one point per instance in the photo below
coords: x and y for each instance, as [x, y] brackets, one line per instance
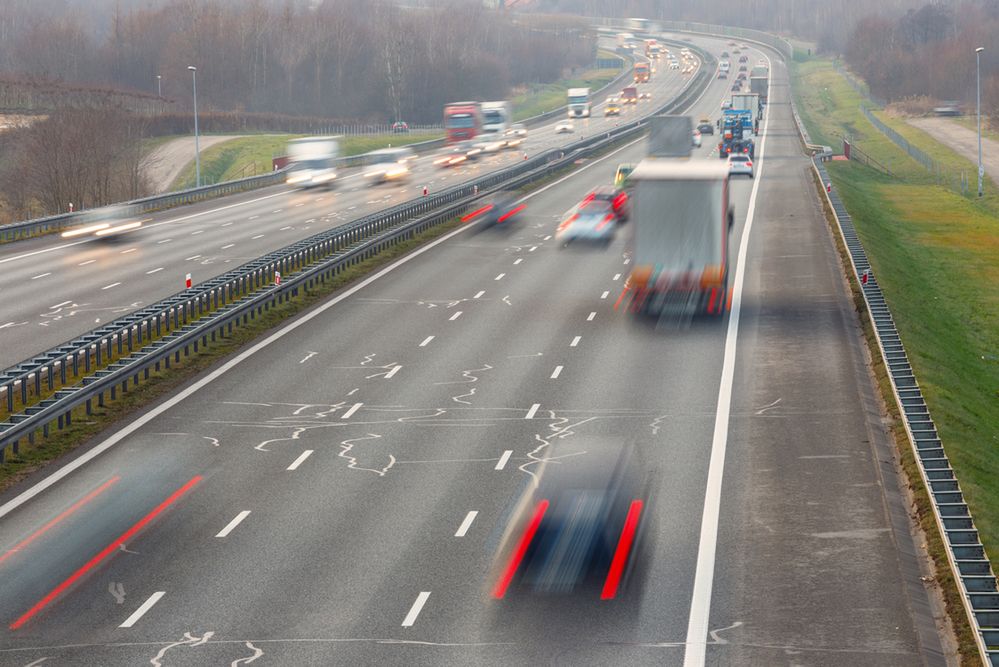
[512, 212]
[518, 555]
[476, 213]
[749, 163]
[607, 219]
[588, 197]
[620, 200]
[623, 549]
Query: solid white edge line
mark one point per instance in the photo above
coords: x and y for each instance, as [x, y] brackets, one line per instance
[143, 608]
[466, 524]
[166, 405]
[695, 647]
[503, 459]
[229, 527]
[415, 610]
[533, 411]
[301, 458]
[351, 410]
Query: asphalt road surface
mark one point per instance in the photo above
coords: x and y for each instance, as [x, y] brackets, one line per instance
[336, 493]
[55, 289]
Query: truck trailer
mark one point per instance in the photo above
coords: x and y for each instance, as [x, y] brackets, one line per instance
[312, 161]
[579, 103]
[642, 73]
[462, 121]
[496, 117]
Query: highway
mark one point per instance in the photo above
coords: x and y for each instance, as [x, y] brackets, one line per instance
[87, 282]
[336, 493]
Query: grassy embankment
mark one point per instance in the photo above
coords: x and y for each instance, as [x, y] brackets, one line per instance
[936, 255]
[250, 155]
[542, 97]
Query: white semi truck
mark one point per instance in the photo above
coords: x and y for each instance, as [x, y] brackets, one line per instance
[496, 117]
[312, 161]
[579, 103]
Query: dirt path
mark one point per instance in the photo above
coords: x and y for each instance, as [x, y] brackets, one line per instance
[166, 162]
[964, 141]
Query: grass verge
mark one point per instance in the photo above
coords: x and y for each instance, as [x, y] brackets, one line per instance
[539, 98]
[252, 155]
[936, 256]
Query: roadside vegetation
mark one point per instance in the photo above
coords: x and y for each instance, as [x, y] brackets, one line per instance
[252, 155]
[935, 253]
[539, 98]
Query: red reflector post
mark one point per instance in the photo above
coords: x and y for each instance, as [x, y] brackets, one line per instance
[518, 555]
[623, 549]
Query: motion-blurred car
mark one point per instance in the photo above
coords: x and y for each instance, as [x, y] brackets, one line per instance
[740, 164]
[722, 74]
[517, 130]
[613, 107]
[615, 196]
[589, 221]
[621, 174]
[742, 68]
[743, 59]
[705, 127]
[388, 165]
[726, 104]
[696, 142]
[724, 54]
[400, 127]
[564, 127]
[581, 531]
[454, 156]
[490, 143]
[737, 87]
[500, 208]
[673, 64]
[107, 228]
[741, 77]
[645, 96]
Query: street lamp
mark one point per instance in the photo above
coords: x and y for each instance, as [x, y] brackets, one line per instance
[159, 86]
[197, 153]
[978, 63]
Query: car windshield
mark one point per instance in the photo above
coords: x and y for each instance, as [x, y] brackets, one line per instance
[460, 120]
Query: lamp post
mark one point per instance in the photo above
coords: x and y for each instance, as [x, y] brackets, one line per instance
[197, 153]
[159, 86]
[978, 77]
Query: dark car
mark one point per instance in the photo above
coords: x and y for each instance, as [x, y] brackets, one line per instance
[706, 128]
[616, 197]
[743, 59]
[737, 86]
[400, 127]
[500, 208]
[582, 530]
[741, 77]
[722, 74]
[724, 54]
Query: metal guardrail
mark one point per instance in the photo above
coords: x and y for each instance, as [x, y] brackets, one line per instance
[965, 552]
[176, 325]
[916, 154]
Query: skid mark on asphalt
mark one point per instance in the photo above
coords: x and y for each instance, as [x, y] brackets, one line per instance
[189, 640]
[348, 445]
[467, 374]
[771, 406]
[247, 660]
[294, 436]
[457, 399]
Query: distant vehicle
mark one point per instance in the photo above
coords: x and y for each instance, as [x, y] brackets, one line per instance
[737, 86]
[722, 74]
[740, 164]
[706, 128]
[612, 107]
[517, 130]
[736, 50]
[948, 109]
[457, 155]
[500, 208]
[641, 73]
[581, 530]
[490, 143]
[621, 174]
[590, 221]
[724, 54]
[641, 25]
[759, 85]
[624, 39]
[629, 95]
[741, 77]
[400, 127]
[726, 104]
[312, 161]
[579, 102]
[680, 252]
[724, 65]
[615, 196]
[388, 165]
[462, 120]
[697, 139]
[742, 68]
[674, 64]
[645, 96]
[102, 224]
[564, 127]
[496, 117]
[743, 59]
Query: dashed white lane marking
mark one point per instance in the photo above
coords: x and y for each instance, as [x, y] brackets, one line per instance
[276, 210]
[415, 610]
[231, 526]
[426, 341]
[499, 277]
[41, 275]
[225, 224]
[110, 286]
[351, 410]
[479, 294]
[149, 273]
[195, 233]
[503, 459]
[548, 238]
[466, 524]
[227, 246]
[533, 411]
[395, 369]
[301, 457]
[258, 236]
[160, 242]
[617, 276]
[589, 318]
[532, 248]
[308, 356]
[188, 259]
[283, 229]
[604, 295]
[89, 261]
[518, 260]
[575, 341]
[455, 316]
[60, 305]
[125, 252]
[556, 372]
[253, 217]
[627, 260]
[141, 611]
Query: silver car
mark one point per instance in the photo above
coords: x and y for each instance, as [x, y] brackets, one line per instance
[593, 220]
[740, 163]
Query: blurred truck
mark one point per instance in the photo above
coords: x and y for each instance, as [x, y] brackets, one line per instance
[642, 72]
[681, 220]
[579, 103]
[751, 102]
[760, 83]
[312, 161]
[629, 95]
[496, 117]
[737, 133]
[462, 121]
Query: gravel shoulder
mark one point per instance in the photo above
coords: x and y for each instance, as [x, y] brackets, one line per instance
[166, 162]
[963, 141]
